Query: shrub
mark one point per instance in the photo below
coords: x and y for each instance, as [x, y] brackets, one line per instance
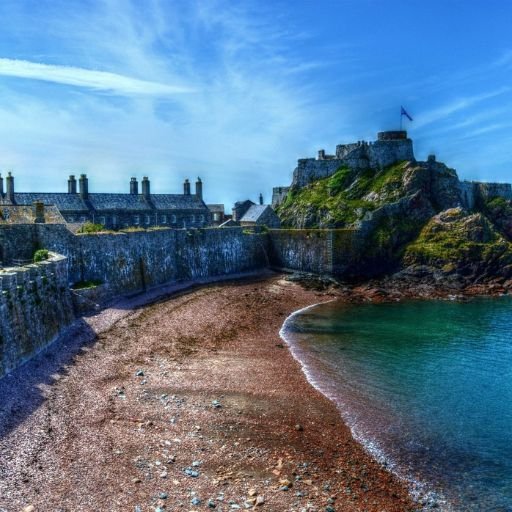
[40, 255]
[90, 227]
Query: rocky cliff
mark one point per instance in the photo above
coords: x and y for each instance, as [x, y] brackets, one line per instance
[410, 215]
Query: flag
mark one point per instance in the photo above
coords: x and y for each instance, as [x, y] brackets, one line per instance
[404, 113]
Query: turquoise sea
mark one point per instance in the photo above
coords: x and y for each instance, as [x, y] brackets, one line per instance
[425, 385]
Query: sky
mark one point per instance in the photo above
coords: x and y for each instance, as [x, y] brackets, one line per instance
[236, 92]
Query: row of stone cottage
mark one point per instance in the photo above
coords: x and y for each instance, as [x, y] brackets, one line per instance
[136, 208]
[117, 211]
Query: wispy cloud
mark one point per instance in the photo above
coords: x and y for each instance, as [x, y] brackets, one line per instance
[460, 104]
[90, 79]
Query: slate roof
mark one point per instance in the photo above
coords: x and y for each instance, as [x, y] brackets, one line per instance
[25, 215]
[254, 213]
[177, 202]
[61, 200]
[104, 201]
[214, 208]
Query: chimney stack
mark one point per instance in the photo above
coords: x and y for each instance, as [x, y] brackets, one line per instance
[1, 186]
[261, 198]
[39, 212]
[9, 187]
[199, 188]
[186, 187]
[72, 184]
[84, 186]
[134, 186]
[145, 186]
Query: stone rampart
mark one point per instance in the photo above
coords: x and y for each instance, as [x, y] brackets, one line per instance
[360, 155]
[279, 195]
[35, 305]
[486, 191]
[133, 261]
[473, 192]
[309, 169]
[320, 251]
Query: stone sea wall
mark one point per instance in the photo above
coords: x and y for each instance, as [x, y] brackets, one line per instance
[320, 251]
[35, 305]
[134, 261]
[36, 300]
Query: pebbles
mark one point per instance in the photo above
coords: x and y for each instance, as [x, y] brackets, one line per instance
[247, 398]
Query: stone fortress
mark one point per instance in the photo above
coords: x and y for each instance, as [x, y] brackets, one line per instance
[389, 148]
[113, 211]
[38, 301]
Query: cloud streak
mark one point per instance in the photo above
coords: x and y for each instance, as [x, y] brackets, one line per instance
[89, 79]
[445, 111]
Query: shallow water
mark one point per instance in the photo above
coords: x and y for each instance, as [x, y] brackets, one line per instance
[427, 386]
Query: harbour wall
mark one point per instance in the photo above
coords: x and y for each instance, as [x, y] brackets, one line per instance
[134, 261]
[320, 251]
[35, 305]
[38, 301]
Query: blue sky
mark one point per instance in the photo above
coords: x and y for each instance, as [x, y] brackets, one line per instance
[235, 92]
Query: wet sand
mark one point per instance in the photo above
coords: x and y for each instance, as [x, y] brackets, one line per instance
[192, 403]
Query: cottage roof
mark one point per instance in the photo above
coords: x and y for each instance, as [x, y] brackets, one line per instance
[106, 202]
[10, 214]
[177, 202]
[216, 208]
[61, 200]
[254, 212]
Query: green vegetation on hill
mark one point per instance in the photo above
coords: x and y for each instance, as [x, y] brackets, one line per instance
[457, 237]
[409, 214]
[341, 199]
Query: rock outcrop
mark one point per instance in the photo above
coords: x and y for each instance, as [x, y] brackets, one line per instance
[412, 217]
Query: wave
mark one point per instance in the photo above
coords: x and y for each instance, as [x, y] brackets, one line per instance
[421, 491]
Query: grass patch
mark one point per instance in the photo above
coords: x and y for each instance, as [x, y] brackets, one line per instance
[338, 201]
[85, 285]
[457, 240]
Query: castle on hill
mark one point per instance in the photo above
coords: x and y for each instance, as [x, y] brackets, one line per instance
[113, 211]
[390, 147]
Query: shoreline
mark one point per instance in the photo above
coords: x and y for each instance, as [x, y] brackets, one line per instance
[219, 392]
[422, 494]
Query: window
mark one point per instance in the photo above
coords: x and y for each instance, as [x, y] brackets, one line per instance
[148, 219]
[82, 219]
[164, 219]
[71, 219]
[192, 219]
[114, 220]
[201, 218]
[136, 220]
[102, 221]
[216, 217]
[173, 219]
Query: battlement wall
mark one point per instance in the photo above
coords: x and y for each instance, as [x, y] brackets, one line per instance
[473, 192]
[487, 191]
[310, 169]
[279, 195]
[319, 251]
[35, 305]
[388, 150]
[134, 261]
